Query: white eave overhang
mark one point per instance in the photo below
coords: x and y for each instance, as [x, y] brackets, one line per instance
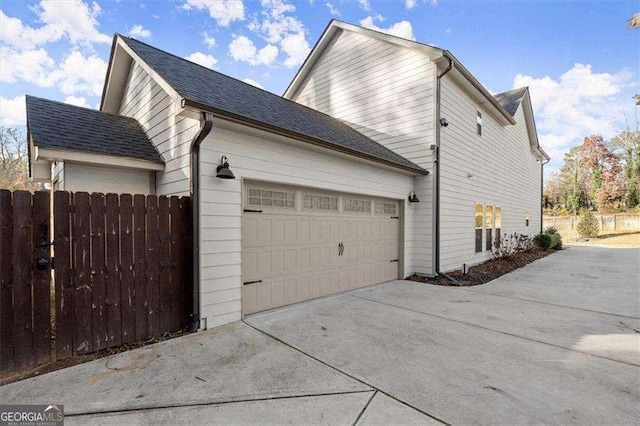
[40, 154]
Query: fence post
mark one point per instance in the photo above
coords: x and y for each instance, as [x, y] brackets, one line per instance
[6, 282]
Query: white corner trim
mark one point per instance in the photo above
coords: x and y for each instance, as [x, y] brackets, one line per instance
[49, 154]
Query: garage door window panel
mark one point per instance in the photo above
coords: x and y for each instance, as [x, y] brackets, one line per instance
[320, 202]
[357, 205]
[386, 208]
[272, 198]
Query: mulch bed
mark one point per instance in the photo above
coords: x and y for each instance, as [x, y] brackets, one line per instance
[486, 271]
[80, 359]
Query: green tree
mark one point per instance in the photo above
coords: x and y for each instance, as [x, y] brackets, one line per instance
[627, 145]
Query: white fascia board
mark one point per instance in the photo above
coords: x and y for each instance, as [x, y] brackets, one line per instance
[52, 154]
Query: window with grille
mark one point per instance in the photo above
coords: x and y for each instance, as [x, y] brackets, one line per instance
[382, 207]
[489, 227]
[498, 224]
[479, 222]
[320, 202]
[479, 123]
[356, 205]
[270, 198]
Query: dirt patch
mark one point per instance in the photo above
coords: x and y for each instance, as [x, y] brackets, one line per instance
[80, 359]
[486, 271]
[630, 239]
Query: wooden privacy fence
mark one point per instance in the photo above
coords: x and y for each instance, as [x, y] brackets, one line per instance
[121, 273]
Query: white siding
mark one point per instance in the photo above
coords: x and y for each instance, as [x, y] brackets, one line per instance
[89, 178]
[57, 175]
[259, 156]
[503, 172]
[386, 92]
[148, 103]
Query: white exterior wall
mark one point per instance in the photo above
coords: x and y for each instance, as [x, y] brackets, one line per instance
[90, 178]
[386, 92]
[57, 175]
[261, 156]
[148, 103]
[504, 173]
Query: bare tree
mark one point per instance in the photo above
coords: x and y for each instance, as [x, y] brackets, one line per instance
[14, 161]
[634, 22]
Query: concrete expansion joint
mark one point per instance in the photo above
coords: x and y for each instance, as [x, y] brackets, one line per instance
[355, 422]
[212, 403]
[495, 331]
[373, 388]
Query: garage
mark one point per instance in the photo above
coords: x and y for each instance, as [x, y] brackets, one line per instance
[301, 243]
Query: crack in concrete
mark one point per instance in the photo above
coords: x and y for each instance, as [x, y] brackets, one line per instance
[364, 409]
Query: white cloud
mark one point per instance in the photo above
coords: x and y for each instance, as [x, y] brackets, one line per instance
[253, 83]
[223, 11]
[243, 49]
[77, 101]
[202, 59]
[79, 74]
[410, 4]
[296, 48]
[332, 9]
[399, 29]
[578, 104]
[364, 4]
[138, 31]
[13, 112]
[209, 41]
[76, 21]
[32, 66]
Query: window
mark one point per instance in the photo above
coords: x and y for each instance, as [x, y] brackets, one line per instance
[479, 220]
[269, 198]
[498, 223]
[479, 123]
[355, 205]
[382, 207]
[320, 202]
[489, 227]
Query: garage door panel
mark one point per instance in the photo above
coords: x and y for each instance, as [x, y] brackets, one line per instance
[296, 254]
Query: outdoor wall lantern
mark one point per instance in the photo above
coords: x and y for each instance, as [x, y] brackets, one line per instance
[526, 218]
[223, 171]
[413, 198]
[444, 122]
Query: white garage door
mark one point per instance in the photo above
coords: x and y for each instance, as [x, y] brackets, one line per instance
[298, 244]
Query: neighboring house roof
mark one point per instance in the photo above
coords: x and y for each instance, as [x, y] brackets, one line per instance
[511, 100]
[214, 92]
[57, 125]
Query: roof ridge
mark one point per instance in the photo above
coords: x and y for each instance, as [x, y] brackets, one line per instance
[94, 110]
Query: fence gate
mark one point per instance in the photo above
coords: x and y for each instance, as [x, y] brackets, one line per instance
[120, 273]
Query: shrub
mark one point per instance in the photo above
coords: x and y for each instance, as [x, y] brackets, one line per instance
[588, 225]
[543, 241]
[556, 238]
[507, 244]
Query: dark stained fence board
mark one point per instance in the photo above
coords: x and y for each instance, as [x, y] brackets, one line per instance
[112, 269]
[62, 274]
[6, 282]
[127, 286]
[177, 263]
[153, 297]
[82, 297]
[140, 270]
[98, 285]
[41, 279]
[187, 254]
[22, 265]
[164, 257]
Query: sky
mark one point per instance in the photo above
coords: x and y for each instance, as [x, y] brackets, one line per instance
[578, 58]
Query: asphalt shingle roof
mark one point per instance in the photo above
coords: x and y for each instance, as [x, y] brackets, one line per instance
[214, 90]
[511, 100]
[62, 126]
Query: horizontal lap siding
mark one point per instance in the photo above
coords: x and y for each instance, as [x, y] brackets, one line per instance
[260, 158]
[504, 173]
[148, 103]
[89, 178]
[387, 93]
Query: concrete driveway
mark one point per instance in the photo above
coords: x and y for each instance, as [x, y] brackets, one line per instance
[555, 342]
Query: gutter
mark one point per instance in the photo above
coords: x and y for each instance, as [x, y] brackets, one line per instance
[235, 118]
[436, 171]
[193, 320]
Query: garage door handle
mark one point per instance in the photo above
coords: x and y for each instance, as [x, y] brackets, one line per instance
[252, 211]
[394, 260]
[252, 282]
[340, 249]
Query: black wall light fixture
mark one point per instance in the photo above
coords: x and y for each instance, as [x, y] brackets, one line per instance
[223, 171]
[444, 122]
[413, 198]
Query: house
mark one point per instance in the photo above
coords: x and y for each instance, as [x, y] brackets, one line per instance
[384, 158]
